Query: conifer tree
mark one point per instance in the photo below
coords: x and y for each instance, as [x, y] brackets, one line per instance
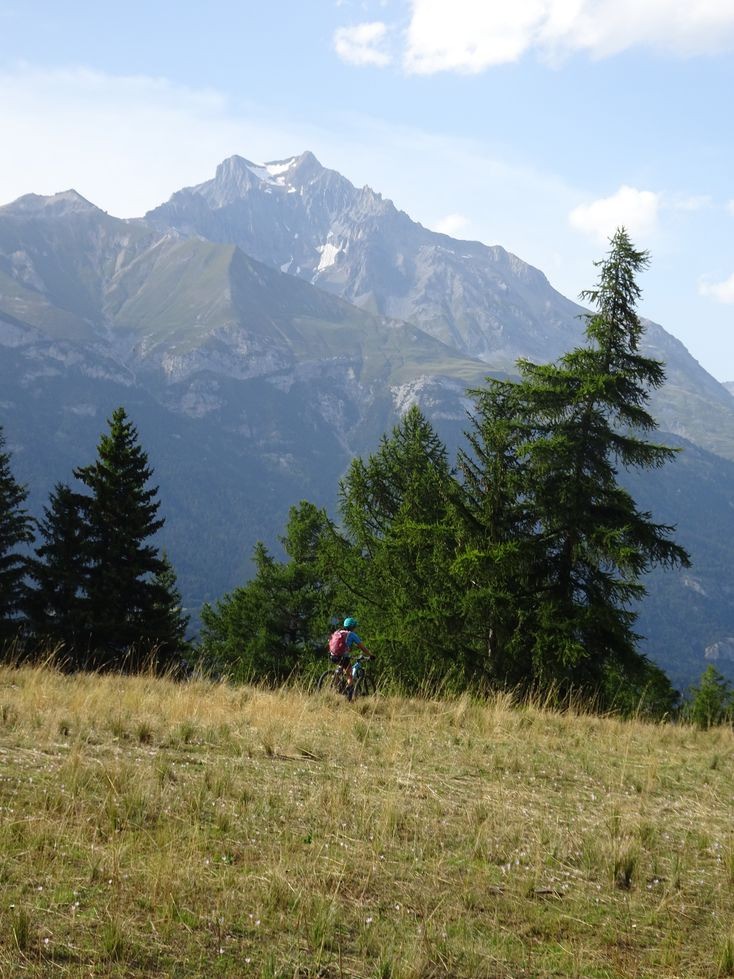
[395, 561]
[15, 532]
[711, 700]
[123, 597]
[589, 416]
[584, 543]
[56, 604]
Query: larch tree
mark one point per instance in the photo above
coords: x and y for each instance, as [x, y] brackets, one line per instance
[583, 545]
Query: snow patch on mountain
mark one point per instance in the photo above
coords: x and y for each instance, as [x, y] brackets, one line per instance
[272, 173]
[329, 255]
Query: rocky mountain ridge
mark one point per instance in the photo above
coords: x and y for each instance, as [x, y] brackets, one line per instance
[311, 222]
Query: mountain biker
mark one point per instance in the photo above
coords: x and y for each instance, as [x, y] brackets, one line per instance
[341, 644]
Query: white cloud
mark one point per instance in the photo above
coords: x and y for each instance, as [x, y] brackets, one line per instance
[473, 35]
[452, 224]
[607, 27]
[360, 44]
[723, 292]
[636, 210]
[468, 35]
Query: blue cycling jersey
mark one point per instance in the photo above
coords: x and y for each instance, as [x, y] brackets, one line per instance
[352, 640]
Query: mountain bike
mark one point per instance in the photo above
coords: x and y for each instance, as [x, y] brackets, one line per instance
[362, 685]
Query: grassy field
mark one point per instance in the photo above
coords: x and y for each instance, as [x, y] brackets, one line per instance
[155, 829]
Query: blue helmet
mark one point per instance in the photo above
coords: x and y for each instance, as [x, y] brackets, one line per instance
[350, 623]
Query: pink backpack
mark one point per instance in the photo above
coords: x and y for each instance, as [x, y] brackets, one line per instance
[338, 642]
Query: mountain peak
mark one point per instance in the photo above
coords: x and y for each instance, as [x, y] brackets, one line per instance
[239, 171]
[306, 164]
[53, 205]
[237, 176]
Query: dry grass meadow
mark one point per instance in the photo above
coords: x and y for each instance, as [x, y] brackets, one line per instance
[149, 828]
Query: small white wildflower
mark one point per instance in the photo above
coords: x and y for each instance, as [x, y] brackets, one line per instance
[368, 921]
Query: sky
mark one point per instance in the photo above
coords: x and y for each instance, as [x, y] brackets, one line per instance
[538, 125]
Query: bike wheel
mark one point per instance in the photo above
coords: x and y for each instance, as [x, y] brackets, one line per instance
[363, 686]
[331, 680]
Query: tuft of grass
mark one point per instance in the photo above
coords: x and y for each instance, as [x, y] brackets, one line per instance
[726, 958]
[21, 930]
[112, 941]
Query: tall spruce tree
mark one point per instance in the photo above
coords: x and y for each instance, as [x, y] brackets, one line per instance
[15, 532]
[399, 544]
[56, 605]
[585, 544]
[124, 589]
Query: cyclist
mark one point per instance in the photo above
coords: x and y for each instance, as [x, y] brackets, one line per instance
[341, 644]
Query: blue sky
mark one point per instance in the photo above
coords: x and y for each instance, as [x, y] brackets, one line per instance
[538, 125]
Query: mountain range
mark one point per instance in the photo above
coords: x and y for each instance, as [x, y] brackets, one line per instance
[267, 325]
